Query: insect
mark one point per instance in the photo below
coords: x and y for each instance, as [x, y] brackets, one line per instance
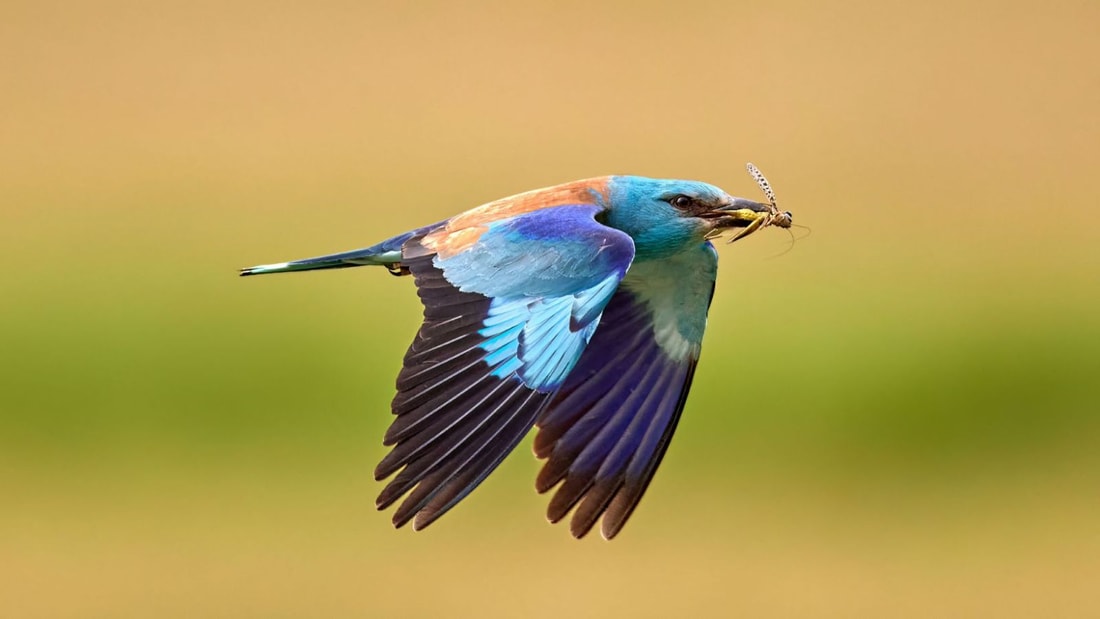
[773, 217]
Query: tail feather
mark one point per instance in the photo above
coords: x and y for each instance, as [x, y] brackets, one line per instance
[355, 258]
[387, 254]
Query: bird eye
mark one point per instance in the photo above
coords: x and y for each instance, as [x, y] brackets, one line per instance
[683, 202]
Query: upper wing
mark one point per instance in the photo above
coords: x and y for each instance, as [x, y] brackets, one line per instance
[509, 306]
[606, 430]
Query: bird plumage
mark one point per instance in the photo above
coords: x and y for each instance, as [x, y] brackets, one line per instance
[579, 309]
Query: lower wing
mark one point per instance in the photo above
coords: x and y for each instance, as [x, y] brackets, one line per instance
[606, 430]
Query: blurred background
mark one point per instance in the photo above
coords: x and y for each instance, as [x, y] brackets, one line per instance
[914, 426]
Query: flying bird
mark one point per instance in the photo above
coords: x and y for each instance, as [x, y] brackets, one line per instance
[577, 308]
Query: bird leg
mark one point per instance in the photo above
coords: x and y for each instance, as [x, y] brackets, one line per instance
[397, 269]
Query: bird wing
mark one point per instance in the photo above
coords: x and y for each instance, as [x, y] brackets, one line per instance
[607, 428]
[509, 306]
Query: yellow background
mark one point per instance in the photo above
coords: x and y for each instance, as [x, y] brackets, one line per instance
[896, 418]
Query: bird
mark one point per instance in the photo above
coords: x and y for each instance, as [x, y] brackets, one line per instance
[576, 309]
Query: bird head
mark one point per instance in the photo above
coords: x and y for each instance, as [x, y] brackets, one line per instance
[665, 216]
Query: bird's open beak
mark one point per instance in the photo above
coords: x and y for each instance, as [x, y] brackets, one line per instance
[747, 215]
[740, 213]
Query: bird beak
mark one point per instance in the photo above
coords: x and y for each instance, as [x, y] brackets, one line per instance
[740, 213]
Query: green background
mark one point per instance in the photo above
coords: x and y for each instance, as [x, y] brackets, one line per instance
[896, 418]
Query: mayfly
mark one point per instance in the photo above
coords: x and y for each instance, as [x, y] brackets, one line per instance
[774, 216]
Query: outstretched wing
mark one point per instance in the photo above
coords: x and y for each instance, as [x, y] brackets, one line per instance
[605, 431]
[509, 306]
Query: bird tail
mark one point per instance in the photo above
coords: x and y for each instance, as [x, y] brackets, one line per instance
[387, 254]
[354, 258]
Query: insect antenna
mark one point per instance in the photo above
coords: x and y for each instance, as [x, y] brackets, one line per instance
[808, 230]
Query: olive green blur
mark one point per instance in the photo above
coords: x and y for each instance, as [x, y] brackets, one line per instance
[895, 417]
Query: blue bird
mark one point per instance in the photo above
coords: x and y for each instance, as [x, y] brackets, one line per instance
[579, 309]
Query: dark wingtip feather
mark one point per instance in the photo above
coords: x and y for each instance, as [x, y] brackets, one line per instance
[387, 497]
[592, 507]
[618, 512]
[551, 473]
[567, 496]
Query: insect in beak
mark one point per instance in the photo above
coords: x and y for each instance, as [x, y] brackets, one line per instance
[758, 215]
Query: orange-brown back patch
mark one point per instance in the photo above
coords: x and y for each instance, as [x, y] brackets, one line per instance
[463, 230]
